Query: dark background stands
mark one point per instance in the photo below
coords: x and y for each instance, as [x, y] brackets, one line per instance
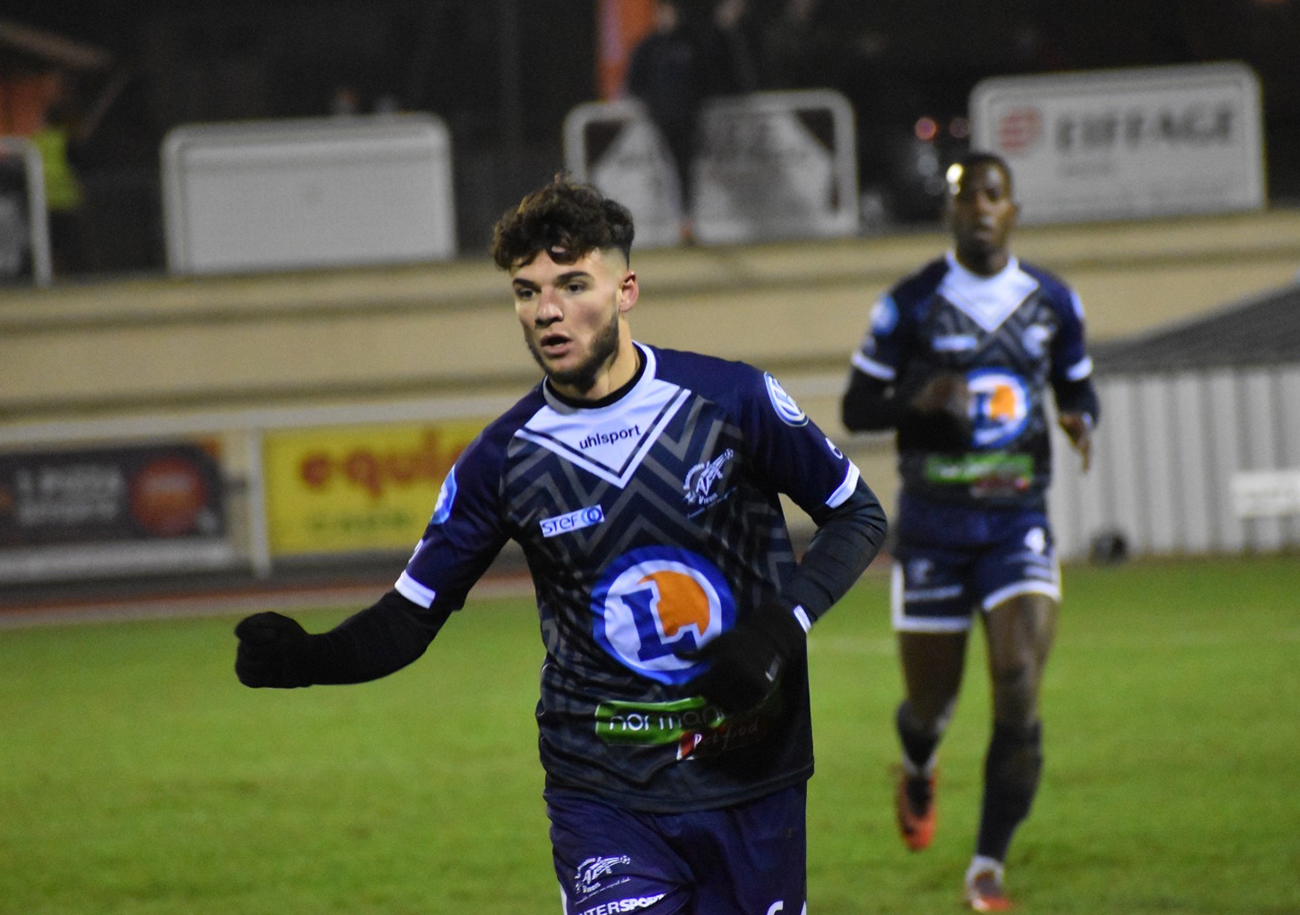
[501, 73]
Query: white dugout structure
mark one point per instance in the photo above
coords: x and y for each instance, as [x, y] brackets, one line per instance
[1187, 463]
[1194, 459]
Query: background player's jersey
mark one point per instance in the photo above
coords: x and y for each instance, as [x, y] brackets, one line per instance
[649, 525]
[1012, 335]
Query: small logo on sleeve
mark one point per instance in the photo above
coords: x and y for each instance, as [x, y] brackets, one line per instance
[783, 403]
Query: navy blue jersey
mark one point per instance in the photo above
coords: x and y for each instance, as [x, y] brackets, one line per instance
[650, 525]
[1014, 336]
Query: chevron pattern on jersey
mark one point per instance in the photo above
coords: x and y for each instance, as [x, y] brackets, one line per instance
[988, 301]
[609, 442]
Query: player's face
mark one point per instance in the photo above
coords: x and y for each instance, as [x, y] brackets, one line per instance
[573, 320]
[981, 214]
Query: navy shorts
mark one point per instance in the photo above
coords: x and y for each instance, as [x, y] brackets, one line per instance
[750, 859]
[948, 562]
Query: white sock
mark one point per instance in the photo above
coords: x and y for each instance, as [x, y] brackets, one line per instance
[912, 770]
[980, 864]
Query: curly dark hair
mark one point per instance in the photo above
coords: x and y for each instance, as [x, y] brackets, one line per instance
[567, 220]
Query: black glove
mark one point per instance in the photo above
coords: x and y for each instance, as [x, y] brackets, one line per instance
[747, 661]
[274, 650]
[937, 405]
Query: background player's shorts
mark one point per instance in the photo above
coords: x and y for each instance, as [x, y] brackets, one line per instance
[949, 561]
[742, 860]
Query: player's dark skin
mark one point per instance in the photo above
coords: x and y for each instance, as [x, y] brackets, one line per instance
[1020, 631]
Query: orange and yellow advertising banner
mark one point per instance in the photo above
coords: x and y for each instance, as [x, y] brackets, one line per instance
[357, 488]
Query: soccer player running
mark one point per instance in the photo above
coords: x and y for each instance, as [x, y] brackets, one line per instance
[959, 359]
[642, 485]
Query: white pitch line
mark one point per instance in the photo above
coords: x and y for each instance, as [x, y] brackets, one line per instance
[216, 604]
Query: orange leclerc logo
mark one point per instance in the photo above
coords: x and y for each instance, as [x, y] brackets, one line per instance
[654, 607]
[999, 406]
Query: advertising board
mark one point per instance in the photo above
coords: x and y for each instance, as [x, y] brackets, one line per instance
[355, 489]
[1126, 144]
[110, 510]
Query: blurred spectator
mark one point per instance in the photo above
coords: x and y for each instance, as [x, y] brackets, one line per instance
[695, 51]
[803, 47]
[58, 138]
[345, 101]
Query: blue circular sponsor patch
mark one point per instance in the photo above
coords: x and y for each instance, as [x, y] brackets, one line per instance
[656, 604]
[783, 403]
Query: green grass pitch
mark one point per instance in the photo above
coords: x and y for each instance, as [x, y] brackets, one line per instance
[137, 777]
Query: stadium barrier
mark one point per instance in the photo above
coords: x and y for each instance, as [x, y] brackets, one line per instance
[24, 226]
[291, 485]
[1171, 454]
[769, 165]
[250, 362]
[308, 192]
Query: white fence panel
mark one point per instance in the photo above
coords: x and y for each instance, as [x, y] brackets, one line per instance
[1120, 449]
[1165, 457]
[1261, 444]
[1158, 434]
[1223, 403]
[1193, 473]
[308, 192]
[1288, 411]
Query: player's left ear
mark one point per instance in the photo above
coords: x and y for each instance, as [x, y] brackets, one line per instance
[629, 290]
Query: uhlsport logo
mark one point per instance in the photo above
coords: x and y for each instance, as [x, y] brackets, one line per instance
[999, 406]
[609, 438]
[656, 604]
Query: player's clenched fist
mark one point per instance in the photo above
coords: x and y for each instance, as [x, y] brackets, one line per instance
[271, 652]
[746, 662]
[939, 406]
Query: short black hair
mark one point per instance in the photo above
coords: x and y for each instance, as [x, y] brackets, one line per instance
[566, 219]
[976, 158]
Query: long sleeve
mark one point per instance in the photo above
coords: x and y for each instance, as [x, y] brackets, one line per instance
[848, 538]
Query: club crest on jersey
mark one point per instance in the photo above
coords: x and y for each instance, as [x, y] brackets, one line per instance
[656, 604]
[783, 403]
[446, 498]
[884, 316]
[999, 406]
[592, 872]
[701, 483]
[1035, 340]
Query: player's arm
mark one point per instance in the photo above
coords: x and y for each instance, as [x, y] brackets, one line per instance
[930, 406]
[1078, 410]
[868, 404]
[892, 386]
[1077, 405]
[747, 661]
[275, 651]
[847, 539]
[460, 542]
